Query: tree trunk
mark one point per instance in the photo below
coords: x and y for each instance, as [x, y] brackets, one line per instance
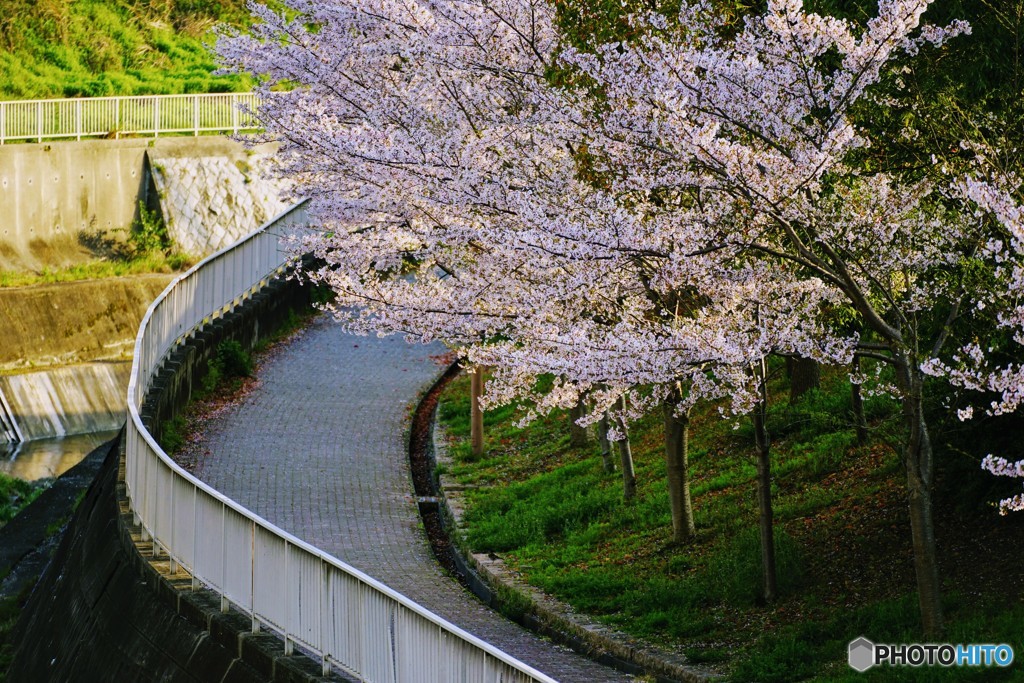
[476, 414]
[606, 445]
[677, 445]
[857, 401]
[578, 436]
[626, 459]
[764, 488]
[918, 459]
[804, 375]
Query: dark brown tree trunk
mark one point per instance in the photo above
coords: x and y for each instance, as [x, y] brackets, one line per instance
[677, 428]
[857, 401]
[918, 459]
[476, 414]
[764, 487]
[626, 459]
[804, 375]
[578, 436]
[606, 445]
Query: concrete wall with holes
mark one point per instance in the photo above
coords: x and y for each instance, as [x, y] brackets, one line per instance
[52, 193]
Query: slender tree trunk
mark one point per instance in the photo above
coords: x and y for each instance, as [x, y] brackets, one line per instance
[804, 375]
[764, 488]
[626, 459]
[918, 459]
[578, 436]
[606, 445]
[857, 401]
[677, 446]
[476, 414]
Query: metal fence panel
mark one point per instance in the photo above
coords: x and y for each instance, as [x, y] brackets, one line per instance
[136, 115]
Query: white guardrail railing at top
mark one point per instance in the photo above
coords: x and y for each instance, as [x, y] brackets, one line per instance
[308, 597]
[113, 117]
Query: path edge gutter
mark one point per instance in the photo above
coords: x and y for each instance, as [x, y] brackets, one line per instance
[487, 576]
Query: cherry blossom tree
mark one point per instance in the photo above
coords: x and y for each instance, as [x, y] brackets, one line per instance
[425, 139]
[760, 126]
[688, 204]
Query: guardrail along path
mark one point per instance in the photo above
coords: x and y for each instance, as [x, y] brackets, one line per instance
[319, 449]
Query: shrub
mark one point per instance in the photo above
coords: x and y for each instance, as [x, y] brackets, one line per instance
[232, 360]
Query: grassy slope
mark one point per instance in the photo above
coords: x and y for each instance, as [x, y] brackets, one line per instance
[91, 48]
[842, 538]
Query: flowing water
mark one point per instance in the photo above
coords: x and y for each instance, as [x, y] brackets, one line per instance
[42, 458]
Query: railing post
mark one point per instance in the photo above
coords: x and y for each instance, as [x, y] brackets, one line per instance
[117, 117]
[78, 119]
[195, 115]
[195, 534]
[289, 643]
[156, 117]
[223, 556]
[326, 608]
[39, 121]
[252, 581]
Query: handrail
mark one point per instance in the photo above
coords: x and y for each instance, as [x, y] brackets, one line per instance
[350, 620]
[112, 117]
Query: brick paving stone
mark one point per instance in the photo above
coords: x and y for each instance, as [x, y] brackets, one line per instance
[319, 449]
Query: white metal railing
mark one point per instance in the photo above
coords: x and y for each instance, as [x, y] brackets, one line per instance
[115, 116]
[345, 617]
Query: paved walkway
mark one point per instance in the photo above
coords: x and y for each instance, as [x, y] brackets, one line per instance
[320, 450]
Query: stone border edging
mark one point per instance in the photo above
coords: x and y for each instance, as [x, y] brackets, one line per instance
[487, 576]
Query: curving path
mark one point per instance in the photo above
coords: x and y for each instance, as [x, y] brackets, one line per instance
[319, 448]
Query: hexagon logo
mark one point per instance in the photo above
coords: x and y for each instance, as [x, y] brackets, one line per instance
[861, 654]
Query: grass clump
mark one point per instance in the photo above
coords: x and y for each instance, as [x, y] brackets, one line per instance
[143, 247]
[16, 494]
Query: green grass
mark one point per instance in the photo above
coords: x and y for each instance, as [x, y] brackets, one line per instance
[841, 535]
[97, 269]
[15, 494]
[92, 48]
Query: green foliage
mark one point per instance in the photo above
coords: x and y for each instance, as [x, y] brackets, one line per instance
[232, 360]
[15, 494]
[558, 520]
[172, 434]
[796, 652]
[738, 570]
[552, 505]
[230, 363]
[92, 48]
[94, 270]
[148, 234]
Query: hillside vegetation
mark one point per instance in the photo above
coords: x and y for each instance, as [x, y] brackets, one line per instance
[93, 48]
[557, 518]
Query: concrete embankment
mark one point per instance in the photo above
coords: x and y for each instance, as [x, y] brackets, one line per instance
[106, 609]
[64, 354]
[94, 616]
[208, 189]
[73, 322]
[77, 399]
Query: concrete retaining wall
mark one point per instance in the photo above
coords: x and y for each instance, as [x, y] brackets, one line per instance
[73, 322]
[105, 610]
[51, 192]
